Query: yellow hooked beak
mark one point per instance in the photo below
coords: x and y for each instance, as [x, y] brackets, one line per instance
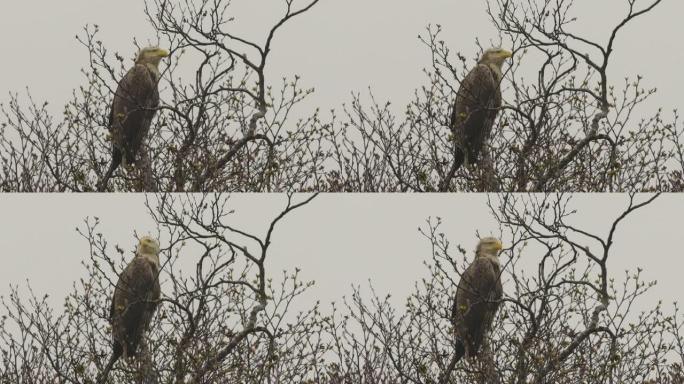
[162, 53]
[506, 54]
[498, 246]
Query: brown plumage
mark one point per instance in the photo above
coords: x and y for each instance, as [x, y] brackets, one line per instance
[135, 300]
[477, 103]
[477, 297]
[133, 108]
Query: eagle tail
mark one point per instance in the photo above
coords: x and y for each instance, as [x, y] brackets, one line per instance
[117, 351]
[459, 352]
[116, 161]
[459, 156]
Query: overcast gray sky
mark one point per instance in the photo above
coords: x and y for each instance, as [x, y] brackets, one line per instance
[338, 47]
[338, 240]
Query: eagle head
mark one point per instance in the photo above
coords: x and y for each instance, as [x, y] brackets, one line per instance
[151, 55]
[495, 56]
[488, 247]
[148, 248]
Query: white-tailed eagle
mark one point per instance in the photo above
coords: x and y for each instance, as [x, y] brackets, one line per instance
[135, 300]
[133, 107]
[477, 297]
[477, 103]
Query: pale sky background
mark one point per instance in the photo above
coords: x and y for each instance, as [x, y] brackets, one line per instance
[338, 240]
[338, 47]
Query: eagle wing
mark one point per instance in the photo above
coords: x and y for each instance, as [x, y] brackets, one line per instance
[477, 102]
[135, 299]
[132, 110]
[152, 302]
[476, 303]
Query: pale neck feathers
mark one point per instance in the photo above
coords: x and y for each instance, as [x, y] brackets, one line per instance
[154, 69]
[151, 258]
[489, 256]
[497, 71]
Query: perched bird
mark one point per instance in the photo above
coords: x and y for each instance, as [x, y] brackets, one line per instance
[477, 103]
[477, 298]
[135, 104]
[135, 300]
